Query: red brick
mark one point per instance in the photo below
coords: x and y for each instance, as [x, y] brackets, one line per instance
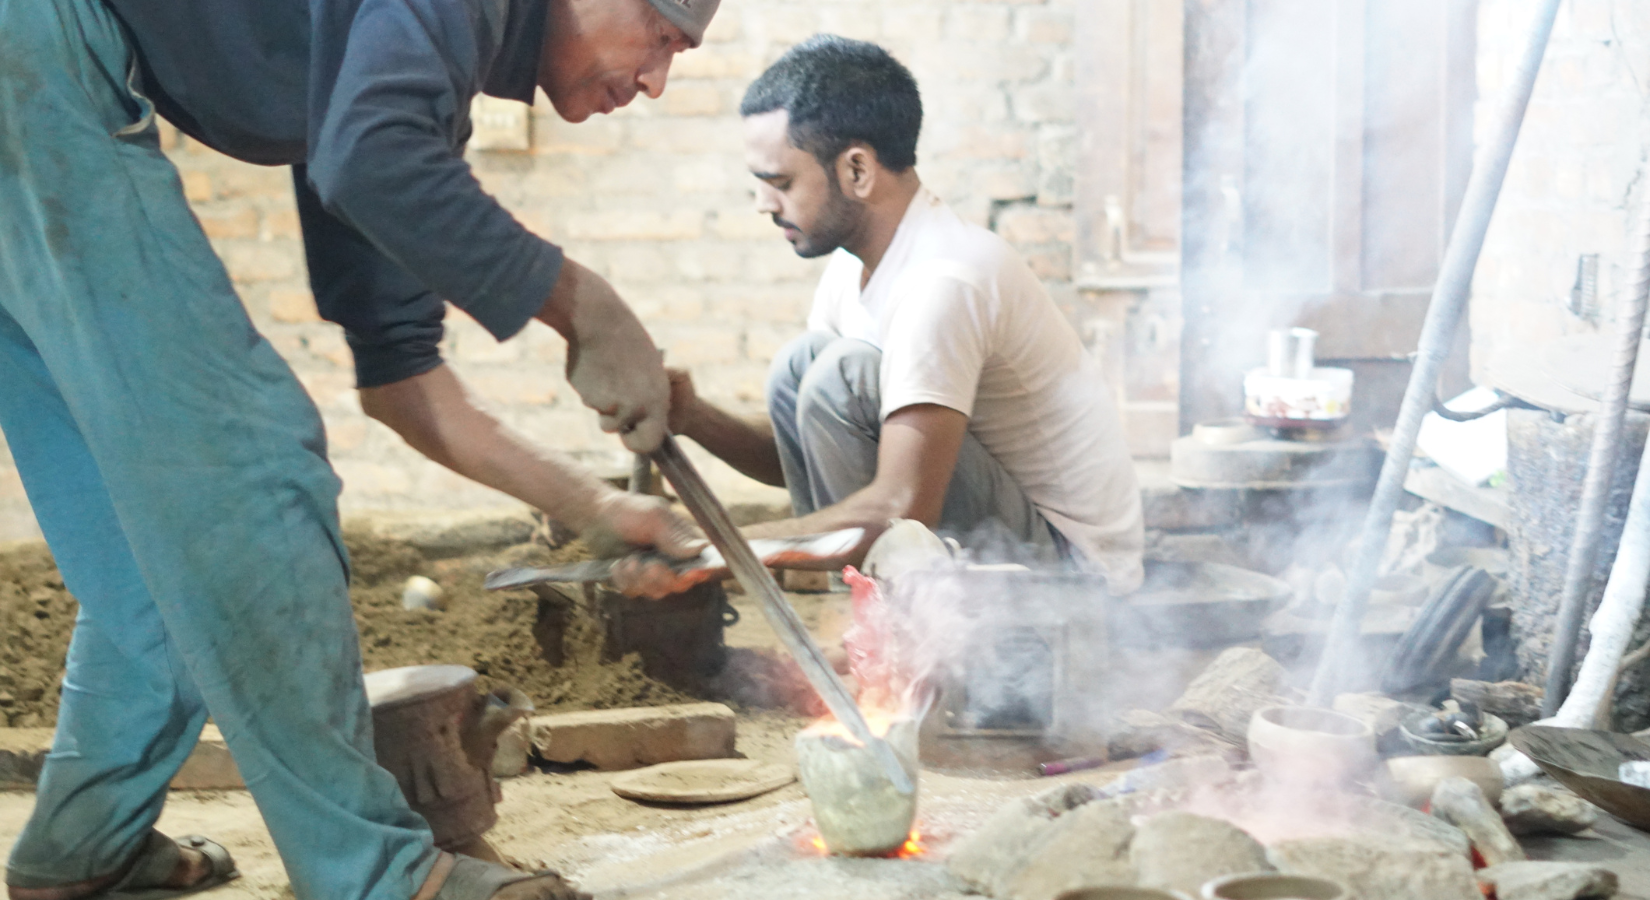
[283, 223]
[238, 221]
[197, 186]
[292, 305]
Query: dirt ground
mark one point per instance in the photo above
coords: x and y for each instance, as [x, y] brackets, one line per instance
[567, 820]
[491, 633]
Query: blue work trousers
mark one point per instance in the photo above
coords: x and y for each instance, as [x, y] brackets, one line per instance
[825, 400]
[179, 473]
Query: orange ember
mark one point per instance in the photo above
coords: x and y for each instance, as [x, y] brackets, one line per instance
[912, 848]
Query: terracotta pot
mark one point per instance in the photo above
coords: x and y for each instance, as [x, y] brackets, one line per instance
[1412, 778]
[1309, 746]
[1272, 886]
[1120, 892]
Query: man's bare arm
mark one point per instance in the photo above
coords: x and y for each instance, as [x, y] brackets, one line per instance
[435, 415]
[747, 444]
[915, 458]
[611, 361]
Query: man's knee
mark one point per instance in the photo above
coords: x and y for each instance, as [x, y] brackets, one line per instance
[843, 383]
[793, 360]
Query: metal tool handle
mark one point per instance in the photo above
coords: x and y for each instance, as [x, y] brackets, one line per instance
[759, 583]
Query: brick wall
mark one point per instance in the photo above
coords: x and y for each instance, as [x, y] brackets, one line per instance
[656, 198]
[1576, 177]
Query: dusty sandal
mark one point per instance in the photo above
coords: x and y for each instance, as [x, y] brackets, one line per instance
[475, 879]
[159, 858]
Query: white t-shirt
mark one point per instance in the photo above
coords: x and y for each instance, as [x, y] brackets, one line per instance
[963, 323]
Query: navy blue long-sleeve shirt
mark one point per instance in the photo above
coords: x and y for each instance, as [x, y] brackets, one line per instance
[369, 102]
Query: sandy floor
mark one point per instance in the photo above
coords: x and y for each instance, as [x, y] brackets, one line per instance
[575, 824]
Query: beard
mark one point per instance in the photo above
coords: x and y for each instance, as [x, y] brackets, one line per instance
[831, 228]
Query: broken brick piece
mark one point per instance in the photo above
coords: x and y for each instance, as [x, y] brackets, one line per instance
[635, 737]
[22, 753]
[209, 766]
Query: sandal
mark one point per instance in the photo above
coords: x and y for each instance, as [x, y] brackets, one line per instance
[157, 860]
[475, 879]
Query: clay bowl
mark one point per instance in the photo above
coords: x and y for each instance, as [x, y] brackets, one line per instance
[1120, 892]
[1494, 734]
[1306, 746]
[1272, 886]
[1413, 778]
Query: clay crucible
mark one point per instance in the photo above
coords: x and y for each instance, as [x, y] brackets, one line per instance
[1310, 747]
[857, 809]
[1272, 886]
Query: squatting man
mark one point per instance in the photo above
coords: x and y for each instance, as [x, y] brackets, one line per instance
[936, 380]
[175, 464]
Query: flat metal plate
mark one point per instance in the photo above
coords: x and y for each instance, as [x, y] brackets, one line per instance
[393, 687]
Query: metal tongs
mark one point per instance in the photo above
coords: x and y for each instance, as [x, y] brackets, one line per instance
[811, 551]
[758, 582]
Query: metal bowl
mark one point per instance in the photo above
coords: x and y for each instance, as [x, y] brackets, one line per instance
[1587, 762]
[1493, 734]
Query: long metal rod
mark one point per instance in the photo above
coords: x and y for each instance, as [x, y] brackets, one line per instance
[1595, 490]
[1449, 300]
[759, 583]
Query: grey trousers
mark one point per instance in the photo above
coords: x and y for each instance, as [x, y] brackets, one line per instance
[825, 400]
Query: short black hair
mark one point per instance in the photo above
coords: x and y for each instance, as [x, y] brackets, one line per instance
[839, 91]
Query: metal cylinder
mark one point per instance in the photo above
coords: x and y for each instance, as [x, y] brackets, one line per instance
[1277, 352]
[1306, 348]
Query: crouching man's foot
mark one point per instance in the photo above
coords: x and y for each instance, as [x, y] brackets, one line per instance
[162, 868]
[467, 878]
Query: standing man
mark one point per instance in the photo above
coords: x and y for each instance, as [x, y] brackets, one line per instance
[937, 380]
[174, 463]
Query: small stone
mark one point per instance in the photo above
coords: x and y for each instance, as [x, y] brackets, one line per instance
[1379, 867]
[995, 854]
[1179, 851]
[515, 746]
[634, 737]
[422, 593]
[209, 767]
[1549, 881]
[1087, 848]
[1535, 809]
[1463, 804]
